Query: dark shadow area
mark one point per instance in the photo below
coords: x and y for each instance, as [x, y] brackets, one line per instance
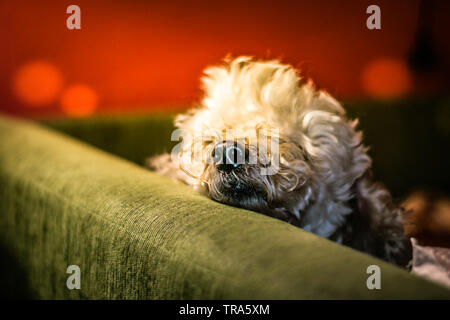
[408, 141]
[13, 278]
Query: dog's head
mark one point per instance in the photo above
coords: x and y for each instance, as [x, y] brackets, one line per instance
[265, 140]
[257, 173]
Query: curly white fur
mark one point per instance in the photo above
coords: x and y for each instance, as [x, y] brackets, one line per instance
[323, 184]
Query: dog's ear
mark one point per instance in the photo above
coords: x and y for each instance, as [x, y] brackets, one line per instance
[377, 223]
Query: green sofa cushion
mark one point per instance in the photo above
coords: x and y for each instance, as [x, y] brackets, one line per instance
[137, 235]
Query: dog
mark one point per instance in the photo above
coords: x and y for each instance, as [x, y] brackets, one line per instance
[264, 139]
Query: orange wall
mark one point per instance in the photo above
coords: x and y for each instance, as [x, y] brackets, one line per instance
[151, 53]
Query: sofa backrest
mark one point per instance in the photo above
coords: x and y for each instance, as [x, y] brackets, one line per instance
[137, 235]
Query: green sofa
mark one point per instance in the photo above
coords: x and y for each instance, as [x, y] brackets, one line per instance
[137, 235]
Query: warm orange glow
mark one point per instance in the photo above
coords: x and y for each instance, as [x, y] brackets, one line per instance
[79, 100]
[149, 55]
[386, 78]
[37, 83]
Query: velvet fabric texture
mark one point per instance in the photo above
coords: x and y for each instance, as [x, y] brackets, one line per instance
[137, 235]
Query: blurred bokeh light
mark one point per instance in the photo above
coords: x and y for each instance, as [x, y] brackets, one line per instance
[37, 83]
[79, 100]
[387, 78]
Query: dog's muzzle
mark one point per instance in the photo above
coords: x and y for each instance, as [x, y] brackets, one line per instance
[229, 155]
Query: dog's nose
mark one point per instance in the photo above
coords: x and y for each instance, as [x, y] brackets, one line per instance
[228, 155]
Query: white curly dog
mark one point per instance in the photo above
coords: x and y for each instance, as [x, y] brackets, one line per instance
[264, 139]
